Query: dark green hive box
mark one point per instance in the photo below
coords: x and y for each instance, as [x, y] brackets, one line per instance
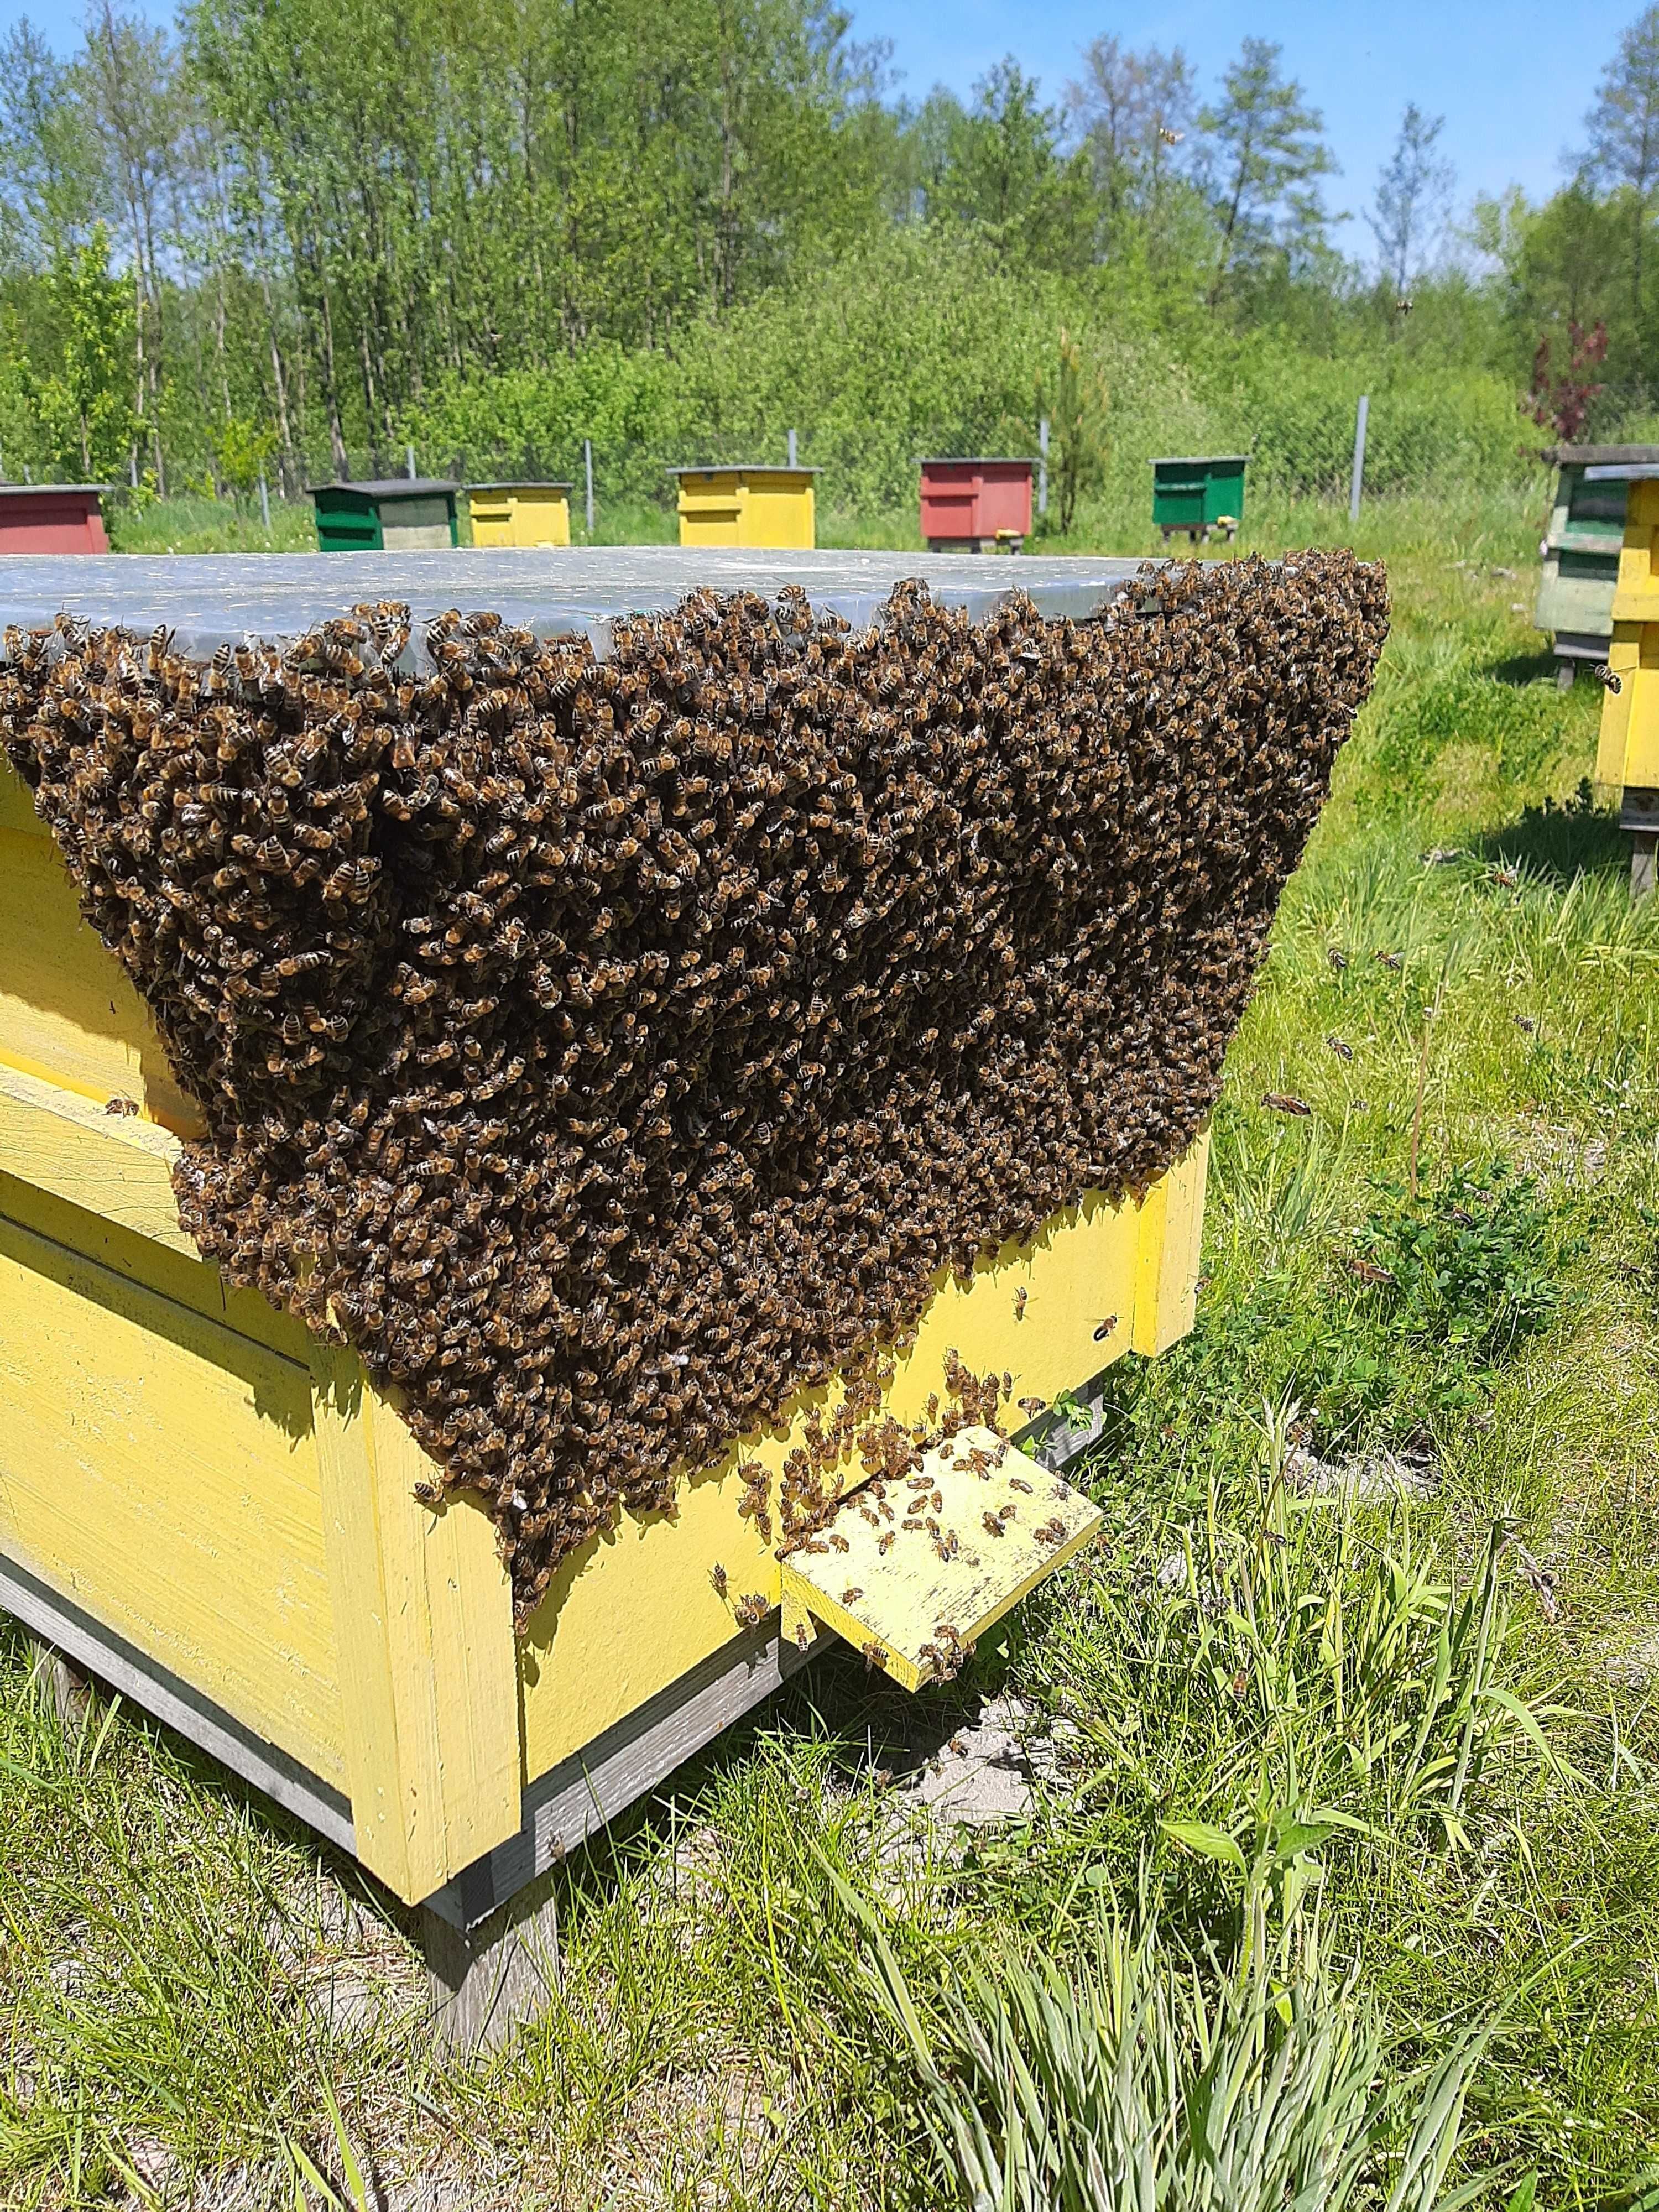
[1199, 495]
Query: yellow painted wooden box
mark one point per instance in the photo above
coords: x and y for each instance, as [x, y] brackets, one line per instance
[531, 514]
[748, 506]
[217, 1512]
[1627, 751]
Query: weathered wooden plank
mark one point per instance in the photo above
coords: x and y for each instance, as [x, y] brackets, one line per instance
[69, 1012]
[113, 1164]
[1171, 1232]
[159, 1469]
[574, 1799]
[425, 1653]
[916, 1577]
[91, 1644]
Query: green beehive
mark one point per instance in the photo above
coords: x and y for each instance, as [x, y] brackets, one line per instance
[1580, 551]
[388, 514]
[1199, 495]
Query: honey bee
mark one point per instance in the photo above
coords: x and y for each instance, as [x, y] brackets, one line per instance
[750, 1609]
[1020, 1303]
[717, 1576]
[1104, 1328]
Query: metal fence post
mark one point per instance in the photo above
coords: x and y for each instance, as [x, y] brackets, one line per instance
[264, 504]
[588, 463]
[409, 451]
[791, 450]
[1359, 476]
[1043, 465]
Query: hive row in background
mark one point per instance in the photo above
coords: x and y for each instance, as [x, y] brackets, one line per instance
[968, 504]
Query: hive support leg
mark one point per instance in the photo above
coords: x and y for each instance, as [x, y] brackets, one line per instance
[1565, 672]
[487, 1981]
[67, 1687]
[1643, 863]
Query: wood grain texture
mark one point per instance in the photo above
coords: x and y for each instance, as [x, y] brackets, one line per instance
[96, 1648]
[115, 1165]
[900, 1600]
[425, 1655]
[172, 1273]
[1172, 1228]
[575, 1799]
[159, 1469]
[69, 1013]
[1635, 595]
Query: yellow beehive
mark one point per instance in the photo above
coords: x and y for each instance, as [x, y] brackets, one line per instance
[748, 506]
[532, 514]
[1627, 751]
[217, 1511]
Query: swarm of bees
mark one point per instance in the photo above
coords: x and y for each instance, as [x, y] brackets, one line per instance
[609, 1048]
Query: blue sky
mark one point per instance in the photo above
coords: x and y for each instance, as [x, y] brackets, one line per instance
[1513, 79]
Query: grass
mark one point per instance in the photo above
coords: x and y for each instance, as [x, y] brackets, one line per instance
[1359, 1699]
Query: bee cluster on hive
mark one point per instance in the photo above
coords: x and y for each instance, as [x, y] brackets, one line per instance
[608, 1046]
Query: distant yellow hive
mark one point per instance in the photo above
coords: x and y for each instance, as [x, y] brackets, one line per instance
[748, 506]
[531, 514]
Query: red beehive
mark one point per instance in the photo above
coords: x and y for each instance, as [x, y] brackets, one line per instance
[53, 518]
[976, 506]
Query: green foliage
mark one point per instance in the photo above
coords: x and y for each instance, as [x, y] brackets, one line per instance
[1122, 2080]
[1474, 1265]
[1075, 400]
[1262, 156]
[242, 450]
[84, 410]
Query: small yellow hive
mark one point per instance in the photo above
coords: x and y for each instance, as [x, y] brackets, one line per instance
[1627, 754]
[528, 514]
[224, 1507]
[748, 506]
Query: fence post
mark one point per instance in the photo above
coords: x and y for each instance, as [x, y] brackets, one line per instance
[791, 449]
[264, 504]
[410, 452]
[1359, 476]
[1043, 465]
[587, 463]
